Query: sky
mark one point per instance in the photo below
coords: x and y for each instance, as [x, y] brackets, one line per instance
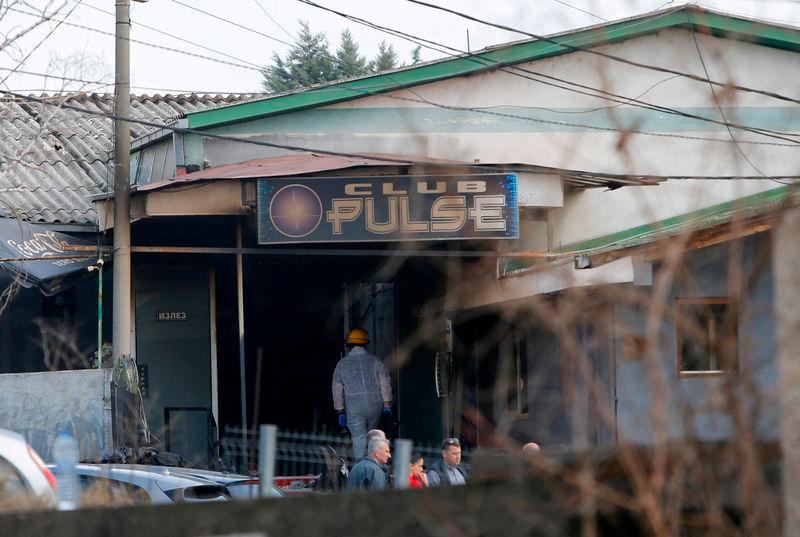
[257, 29]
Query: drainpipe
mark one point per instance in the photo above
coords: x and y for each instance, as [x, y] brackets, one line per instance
[99, 268]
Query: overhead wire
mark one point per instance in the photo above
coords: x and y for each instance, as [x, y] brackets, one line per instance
[45, 38]
[518, 71]
[607, 55]
[576, 8]
[234, 23]
[173, 36]
[251, 67]
[516, 116]
[111, 83]
[421, 41]
[722, 111]
[305, 149]
[279, 25]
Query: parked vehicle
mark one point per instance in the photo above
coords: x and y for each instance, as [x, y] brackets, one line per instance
[121, 484]
[25, 481]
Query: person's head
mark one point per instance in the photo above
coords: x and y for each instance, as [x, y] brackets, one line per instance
[451, 451]
[530, 448]
[357, 337]
[417, 464]
[378, 449]
[375, 433]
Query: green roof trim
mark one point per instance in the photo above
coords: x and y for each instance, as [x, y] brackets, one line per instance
[705, 21]
[695, 220]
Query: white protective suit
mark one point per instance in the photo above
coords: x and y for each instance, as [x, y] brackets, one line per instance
[360, 386]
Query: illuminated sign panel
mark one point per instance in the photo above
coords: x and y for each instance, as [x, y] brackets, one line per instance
[391, 208]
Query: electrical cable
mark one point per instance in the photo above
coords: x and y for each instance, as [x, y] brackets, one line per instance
[224, 137]
[476, 57]
[251, 67]
[576, 8]
[626, 100]
[53, 29]
[111, 83]
[721, 111]
[606, 55]
[279, 25]
[173, 36]
[547, 121]
[234, 23]
[228, 138]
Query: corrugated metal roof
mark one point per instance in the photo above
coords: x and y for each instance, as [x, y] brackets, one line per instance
[310, 163]
[52, 160]
[291, 165]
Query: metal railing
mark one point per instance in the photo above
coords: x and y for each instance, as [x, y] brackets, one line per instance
[302, 453]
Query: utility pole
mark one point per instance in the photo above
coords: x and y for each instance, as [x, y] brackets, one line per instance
[122, 221]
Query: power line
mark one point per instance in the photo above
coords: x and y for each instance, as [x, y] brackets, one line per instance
[224, 137]
[173, 36]
[607, 55]
[193, 8]
[476, 57]
[251, 67]
[719, 107]
[279, 25]
[28, 55]
[229, 138]
[484, 111]
[102, 83]
[576, 8]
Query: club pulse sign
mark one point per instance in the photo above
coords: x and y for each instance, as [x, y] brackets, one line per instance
[391, 208]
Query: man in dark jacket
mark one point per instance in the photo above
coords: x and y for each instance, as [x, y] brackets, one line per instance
[370, 473]
[448, 472]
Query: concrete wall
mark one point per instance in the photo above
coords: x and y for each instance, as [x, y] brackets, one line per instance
[40, 405]
[755, 384]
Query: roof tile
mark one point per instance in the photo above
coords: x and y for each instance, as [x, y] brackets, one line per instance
[53, 159]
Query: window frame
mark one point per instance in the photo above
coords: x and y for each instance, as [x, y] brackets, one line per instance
[679, 338]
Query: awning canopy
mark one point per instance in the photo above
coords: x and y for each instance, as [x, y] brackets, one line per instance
[35, 256]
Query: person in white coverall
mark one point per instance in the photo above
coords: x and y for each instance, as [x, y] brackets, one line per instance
[361, 390]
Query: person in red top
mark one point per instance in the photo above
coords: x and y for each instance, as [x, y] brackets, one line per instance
[417, 478]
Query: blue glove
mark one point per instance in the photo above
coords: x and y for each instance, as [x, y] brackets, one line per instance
[343, 419]
[387, 411]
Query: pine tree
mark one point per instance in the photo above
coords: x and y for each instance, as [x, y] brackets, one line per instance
[416, 56]
[348, 62]
[386, 58]
[309, 62]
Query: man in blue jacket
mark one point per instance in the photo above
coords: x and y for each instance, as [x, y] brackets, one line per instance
[370, 473]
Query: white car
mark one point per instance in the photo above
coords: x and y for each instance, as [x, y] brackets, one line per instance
[25, 481]
[119, 484]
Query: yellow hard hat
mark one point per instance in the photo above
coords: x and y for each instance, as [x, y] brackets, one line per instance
[357, 336]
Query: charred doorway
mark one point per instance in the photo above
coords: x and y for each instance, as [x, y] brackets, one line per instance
[298, 309]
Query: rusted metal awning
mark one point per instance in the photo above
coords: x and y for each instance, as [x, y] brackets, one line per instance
[293, 165]
[313, 163]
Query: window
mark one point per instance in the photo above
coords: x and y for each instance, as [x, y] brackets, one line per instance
[707, 339]
[100, 491]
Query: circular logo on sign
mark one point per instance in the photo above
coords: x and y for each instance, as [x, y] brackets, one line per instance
[295, 210]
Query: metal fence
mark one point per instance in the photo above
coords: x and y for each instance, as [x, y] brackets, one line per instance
[301, 453]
